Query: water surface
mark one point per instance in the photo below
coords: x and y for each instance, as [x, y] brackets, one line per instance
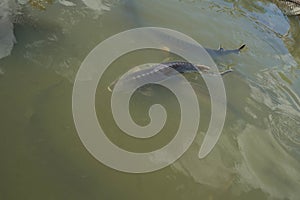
[257, 156]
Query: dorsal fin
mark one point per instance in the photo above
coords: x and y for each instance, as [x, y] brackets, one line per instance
[221, 48]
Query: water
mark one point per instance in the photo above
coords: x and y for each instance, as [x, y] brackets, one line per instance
[257, 156]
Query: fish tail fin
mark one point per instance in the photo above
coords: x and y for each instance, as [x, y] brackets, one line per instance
[242, 47]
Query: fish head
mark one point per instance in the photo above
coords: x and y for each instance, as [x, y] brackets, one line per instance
[202, 68]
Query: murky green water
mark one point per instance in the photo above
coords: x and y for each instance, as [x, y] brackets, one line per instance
[257, 156]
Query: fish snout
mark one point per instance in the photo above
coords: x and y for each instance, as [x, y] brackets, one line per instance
[203, 68]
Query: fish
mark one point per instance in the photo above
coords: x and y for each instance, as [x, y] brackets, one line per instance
[156, 73]
[223, 52]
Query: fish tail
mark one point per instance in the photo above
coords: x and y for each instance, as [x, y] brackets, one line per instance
[242, 47]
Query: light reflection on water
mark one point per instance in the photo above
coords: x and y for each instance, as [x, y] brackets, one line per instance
[258, 153]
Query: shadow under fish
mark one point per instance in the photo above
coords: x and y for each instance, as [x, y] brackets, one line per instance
[156, 73]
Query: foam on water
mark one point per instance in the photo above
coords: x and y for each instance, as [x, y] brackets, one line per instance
[9, 8]
[7, 38]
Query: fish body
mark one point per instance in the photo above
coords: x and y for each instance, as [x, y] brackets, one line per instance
[156, 73]
[223, 52]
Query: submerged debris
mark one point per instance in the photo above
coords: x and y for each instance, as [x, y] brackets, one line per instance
[289, 7]
[40, 4]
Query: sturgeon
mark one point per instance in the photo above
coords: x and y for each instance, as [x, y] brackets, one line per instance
[223, 52]
[163, 71]
[160, 72]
